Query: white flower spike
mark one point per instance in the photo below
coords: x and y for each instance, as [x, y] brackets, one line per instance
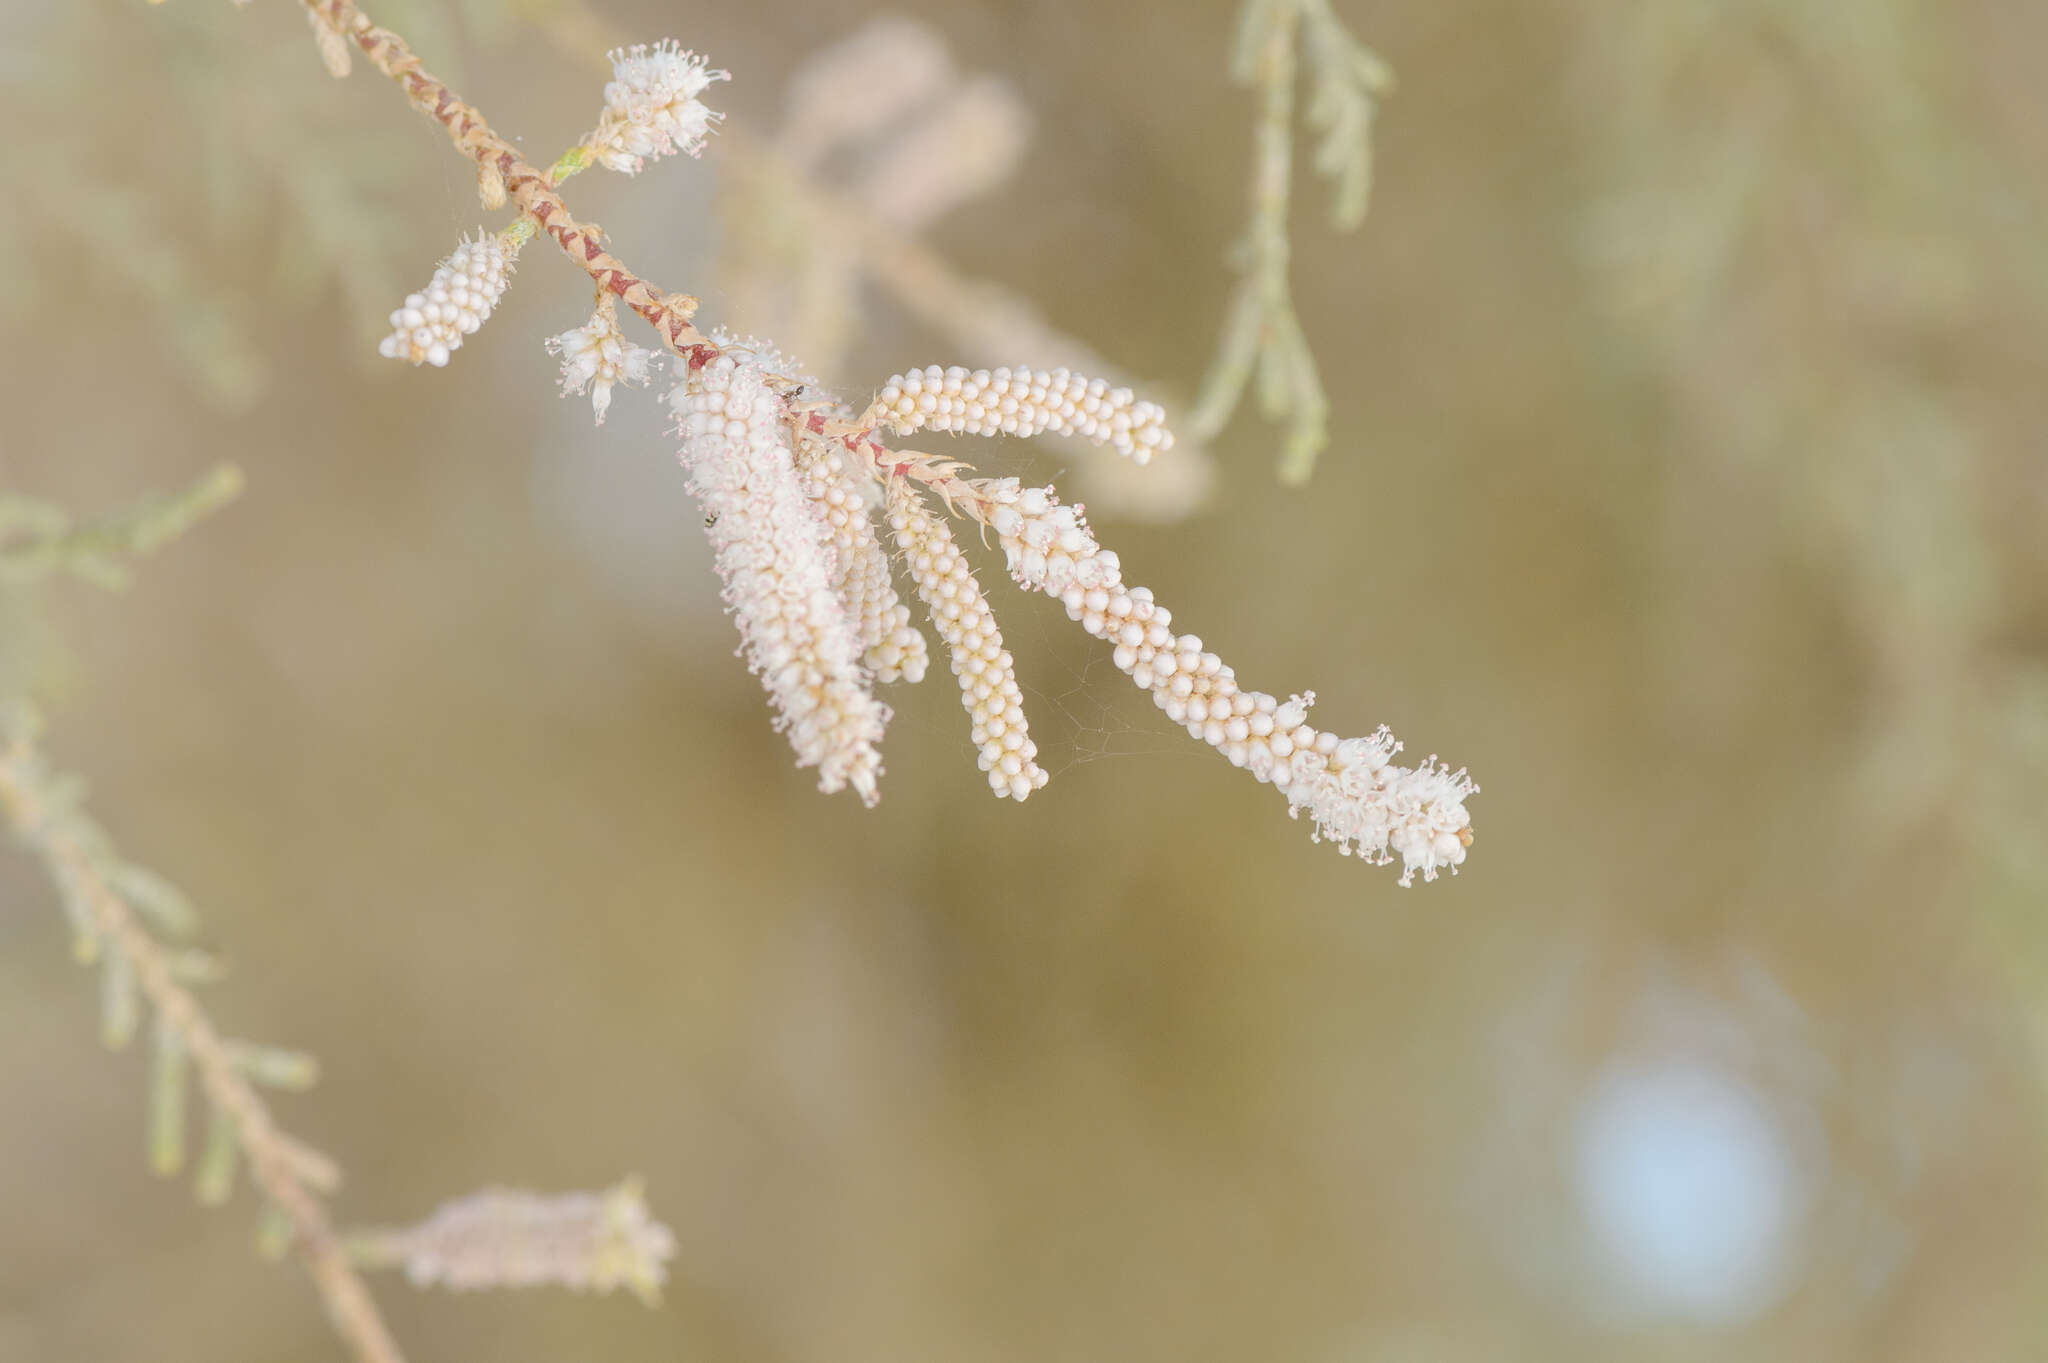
[775, 555]
[1021, 402]
[1357, 798]
[961, 615]
[461, 296]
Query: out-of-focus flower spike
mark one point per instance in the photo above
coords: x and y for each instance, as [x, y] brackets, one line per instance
[503, 1238]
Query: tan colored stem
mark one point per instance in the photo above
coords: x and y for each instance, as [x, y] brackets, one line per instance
[277, 1163]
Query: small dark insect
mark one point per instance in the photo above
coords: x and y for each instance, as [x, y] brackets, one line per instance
[711, 520]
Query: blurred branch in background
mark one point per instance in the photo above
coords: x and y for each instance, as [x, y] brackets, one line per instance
[285, 202]
[140, 931]
[38, 539]
[1262, 331]
[1824, 164]
[922, 143]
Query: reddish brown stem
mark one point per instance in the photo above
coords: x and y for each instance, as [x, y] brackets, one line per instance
[668, 313]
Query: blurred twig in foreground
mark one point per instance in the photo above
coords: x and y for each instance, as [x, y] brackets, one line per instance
[1262, 330]
[139, 930]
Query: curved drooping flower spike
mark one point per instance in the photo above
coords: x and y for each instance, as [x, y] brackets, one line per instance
[651, 109]
[429, 325]
[1348, 786]
[988, 675]
[775, 556]
[1021, 402]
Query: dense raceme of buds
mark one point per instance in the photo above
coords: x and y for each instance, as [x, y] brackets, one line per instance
[501, 1238]
[892, 648]
[988, 677]
[1023, 402]
[457, 300]
[596, 356]
[1349, 787]
[651, 108]
[776, 557]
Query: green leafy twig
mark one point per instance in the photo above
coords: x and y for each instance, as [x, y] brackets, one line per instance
[1262, 331]
[131, 923]
[138, 929]
[39, 540]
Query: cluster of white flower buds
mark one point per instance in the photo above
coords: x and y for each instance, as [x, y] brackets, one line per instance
[651, 109]
[596, 356]
[776, 558]
[1356, 798]
[1022, 402]
[988, 676]
[457, 300]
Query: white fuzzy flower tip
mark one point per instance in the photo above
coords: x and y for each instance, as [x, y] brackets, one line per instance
[430, 325]
[651, 108]
[775, 555]
[1022, 402]
[1350, 788]
[596, 356]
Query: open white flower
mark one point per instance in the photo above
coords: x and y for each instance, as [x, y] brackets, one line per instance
[651, 109]
[596, 356]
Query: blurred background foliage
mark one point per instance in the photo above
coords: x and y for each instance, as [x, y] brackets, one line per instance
[1685, 480]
